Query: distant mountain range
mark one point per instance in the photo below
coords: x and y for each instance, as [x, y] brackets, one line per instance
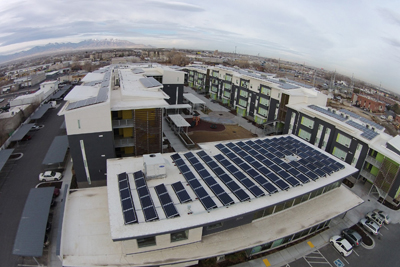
[91, 44]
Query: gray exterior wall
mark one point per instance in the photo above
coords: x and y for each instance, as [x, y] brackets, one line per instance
[170, 90]
[98, 150]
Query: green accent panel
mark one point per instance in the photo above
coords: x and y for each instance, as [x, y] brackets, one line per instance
[214, 96]
[280, 125]
[240, 111]
[191, 84]
[379, 157]
[259, 120]
[397, 193]
[374, 170]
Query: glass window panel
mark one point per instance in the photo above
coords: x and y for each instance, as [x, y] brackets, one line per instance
[179, 236]
[146, 242]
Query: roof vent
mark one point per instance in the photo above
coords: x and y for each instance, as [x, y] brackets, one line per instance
[154, 166]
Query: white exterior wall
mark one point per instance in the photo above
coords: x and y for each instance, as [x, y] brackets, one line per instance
[27, 99]
[162, 242]
[173, 77]
[90, 119]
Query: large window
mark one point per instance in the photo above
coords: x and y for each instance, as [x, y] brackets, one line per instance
[243, 93]
[214, 89]
[264, 101]
[214, 226]
[200, 76]
[146, 242]
[179, 236]
[304, 135]
[326, 138]
[227, 94]
[215, 74]
[244, 84]
[263, 112]
[319, 134]
[228, 86]
[344, 140]
[339, 153]
[228, 78]
[265, 91]
[242, 102]
[307, 122]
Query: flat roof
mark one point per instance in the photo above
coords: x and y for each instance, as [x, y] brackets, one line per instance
[93, 76]
[178, 106]
[274, 186]
[193, 99]
[21, 132]
[57, 150]
[32, 226]
[41, 111]
[93, 245]
[178, 120]
[4, 156]
[59, 94]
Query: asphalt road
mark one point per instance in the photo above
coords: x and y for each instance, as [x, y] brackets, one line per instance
[18, 177]
[383, 254]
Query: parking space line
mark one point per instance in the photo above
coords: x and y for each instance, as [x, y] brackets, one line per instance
[385, 227]
[380, 233]
[266, 262]
[313, 259]
[356, 253]
[345, 260]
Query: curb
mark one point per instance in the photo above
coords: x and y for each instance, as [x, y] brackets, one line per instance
[373, 241]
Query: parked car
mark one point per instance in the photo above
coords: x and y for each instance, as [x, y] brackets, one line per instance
[352, 236]
[383, 215]
[370, 226]
[36, 127]
[375, 218]
[50, 176]
[342, 245]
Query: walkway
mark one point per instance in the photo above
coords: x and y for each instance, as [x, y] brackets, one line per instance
[285, 256]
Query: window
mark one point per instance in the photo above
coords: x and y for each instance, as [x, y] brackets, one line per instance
[356, 155]
[339, 153]
[200, 76]
[265, 91]
[304, 135]
[146, 242]
[242, 102]
[227, 94]
[319, 134]
[228, 78]
[214, 89]
[264, 101]
[214, 226]
[307, 122]
[244, 84]
[263, 112]
[344, 140]
[179, 236]
[191, 72]
[243, 93]
[215, 74]
[326, 138]
[227, 86]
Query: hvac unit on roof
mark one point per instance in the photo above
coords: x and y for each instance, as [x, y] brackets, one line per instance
[154, 166]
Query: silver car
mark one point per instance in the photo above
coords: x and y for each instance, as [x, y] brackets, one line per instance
[383, 215]
[375, 217]
[370, 226]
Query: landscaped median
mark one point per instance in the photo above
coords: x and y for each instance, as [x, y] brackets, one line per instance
[367, 241]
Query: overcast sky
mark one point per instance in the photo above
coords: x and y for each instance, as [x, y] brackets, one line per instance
[360, 37]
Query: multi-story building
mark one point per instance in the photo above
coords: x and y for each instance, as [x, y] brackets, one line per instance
[355, 140]
[198, 77]
[117, 112]
[369, 103]
[257, 96]
[178, 208]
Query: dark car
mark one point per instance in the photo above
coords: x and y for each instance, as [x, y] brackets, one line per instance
[26, 138]
[352, 236]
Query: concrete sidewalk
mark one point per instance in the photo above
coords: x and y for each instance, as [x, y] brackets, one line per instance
[352, 217]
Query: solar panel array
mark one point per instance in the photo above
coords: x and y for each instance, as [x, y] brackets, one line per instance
[149, 82]
[327, 112]
[101, 97]
[166, 202]
[146, 201]
[198, 189]
[224, 177]
[181, 192]
[225, 199]
[367, 133]
[138, 71]
[373, 124]
[128, 209]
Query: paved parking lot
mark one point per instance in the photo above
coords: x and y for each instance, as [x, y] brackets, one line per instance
[383, 254]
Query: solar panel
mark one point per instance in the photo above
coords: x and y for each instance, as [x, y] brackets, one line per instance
[181, 192]
[197, 188]
[235, 189]
[328, 112]
[128, 209]
[166, 202]
[149, 82]
[148, 208]
[367, 133]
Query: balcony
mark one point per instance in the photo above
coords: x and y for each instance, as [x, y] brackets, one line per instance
[367, 175]
[373, 161]
[124, 142]
[126, 123]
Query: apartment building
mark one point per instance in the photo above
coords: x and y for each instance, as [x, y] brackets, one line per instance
[255, 95]
[178, 208]
[367, 102]
[353, 139]
[117, 112]
[198, 77]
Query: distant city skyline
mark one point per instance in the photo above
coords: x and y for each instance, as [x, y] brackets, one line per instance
[356, 37]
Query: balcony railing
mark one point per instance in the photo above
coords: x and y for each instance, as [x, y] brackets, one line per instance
[369, 176]
[126, 123]
[373, 161]
[124, 142]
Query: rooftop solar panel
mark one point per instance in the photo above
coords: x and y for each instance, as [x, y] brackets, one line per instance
[166, 202]
[181, 192]
[327, 112]
[148, 208]
[149, 82]
[127, 206]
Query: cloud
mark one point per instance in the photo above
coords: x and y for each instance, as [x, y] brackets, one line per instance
[177, 6]
[390, 16]
[392, 41]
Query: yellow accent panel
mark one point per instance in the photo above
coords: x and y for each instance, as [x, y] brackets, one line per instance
[266, 262]
[128, 132]
[129, 150]
[127, 114]
[310, 244]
